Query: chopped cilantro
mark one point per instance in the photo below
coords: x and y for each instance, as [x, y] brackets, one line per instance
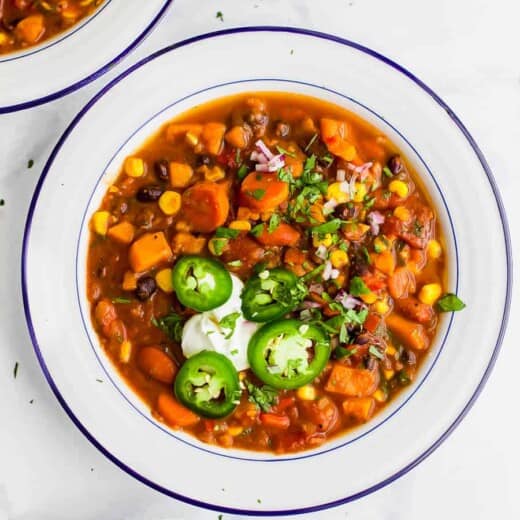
[369, 201]
[171, 325]
[343, 334]
[329, 227]
[285, 175]
[327, 159]
[285, 152]
[15, 370]
[342, 352]
[387, 194]
[229, 323]
[223, 232]
[234, 352]
[237, 156]
[264, 397]
[100, 380]
[220, 16]
[218, 245]
[2, 202]
[30, 163]
[242, 172]
[235, 263]
[274, 222]
[120, 299]
[257, 194]
[292, 52]
[387, 172]
[366, 254]
[257, 230]
[450, 303]
[358, 287]
[403, 378]
[374, 351]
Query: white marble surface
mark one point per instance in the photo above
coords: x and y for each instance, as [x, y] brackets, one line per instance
[467, 50]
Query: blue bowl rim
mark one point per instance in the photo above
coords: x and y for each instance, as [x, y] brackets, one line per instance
[455, 120]
[91, 77]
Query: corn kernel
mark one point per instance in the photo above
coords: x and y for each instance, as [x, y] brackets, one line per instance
[100, 222]
[113, 189]
[402, 213]
[430, 293]
[388, 374]
[240, 225]
[400, 188]
[379, 396]
[339, 258]
[380, 244]
[214, 174]
[192, 139]
[306, 393]
[129, 281]
[170, 202]
[359, 192]
[164, 280]
[369, 298]
[246, 214]
[335, 192]
[381, 307]
[242, 375]
[434, 249]
[325, 240]
[235, 430]
[125, 351]
[134, 167]
[390, 350]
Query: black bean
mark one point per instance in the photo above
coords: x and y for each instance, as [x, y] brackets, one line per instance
[149, 193]
[162, 169]
[369, 362]
[396, 164]
[347, 211]
[408, 357]
[146, 286]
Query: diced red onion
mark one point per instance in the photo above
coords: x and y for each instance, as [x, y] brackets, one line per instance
[375, 219]
[258, 157]
[310, 305]
[321, 252]
[316, 288]
[348, 301]
[329, 206]
[327, 271]
[359, 169]
[262, 167]
[340, 175]
[263, 148]
[334, 274]
[344, 187]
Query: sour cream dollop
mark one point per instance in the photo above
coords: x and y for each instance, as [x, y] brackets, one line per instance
[205, 331]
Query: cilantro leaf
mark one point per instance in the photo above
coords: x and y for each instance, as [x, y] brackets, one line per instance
[220, 16]
[218, 245]
[264, 397]
[329, 227]
[285, 152]
[229, 323]
[274, 222]
[358, 287]
[223, 232]
[257, 230]
[171, 325]
[450, 303]
[120, 299]
[242, 172]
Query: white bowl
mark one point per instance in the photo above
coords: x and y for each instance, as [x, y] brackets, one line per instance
[75, 57]
[73, 183]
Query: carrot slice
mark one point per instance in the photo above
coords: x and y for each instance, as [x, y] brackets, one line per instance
[283, 235]
[157, 364]
[205, 206]
[263, 191]
[174, 413]
[354, 382]
[411, 333]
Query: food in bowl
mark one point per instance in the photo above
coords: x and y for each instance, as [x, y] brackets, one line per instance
[266, 272]
[24, 23]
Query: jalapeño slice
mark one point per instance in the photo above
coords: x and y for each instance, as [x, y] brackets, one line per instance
[287, 354]
[201, 283]
[270, 294]
[207, 383]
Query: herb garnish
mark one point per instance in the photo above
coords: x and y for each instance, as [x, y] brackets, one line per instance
[257, 230]
[120, 299]
[264, 397]
[387, 171]
[374, 351]
[274, 222]
[229, 323]
[450, 303]
[223, 232]
[30, 163]
[310, 143]
[220, 16]
[171, 325]
[342, 352]
[15, 370]
[218, 245]
[417, 228]
[285, 152]
[329, 227]
[2, 202]
[242, 172]
[358, 287]
[257, 194]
